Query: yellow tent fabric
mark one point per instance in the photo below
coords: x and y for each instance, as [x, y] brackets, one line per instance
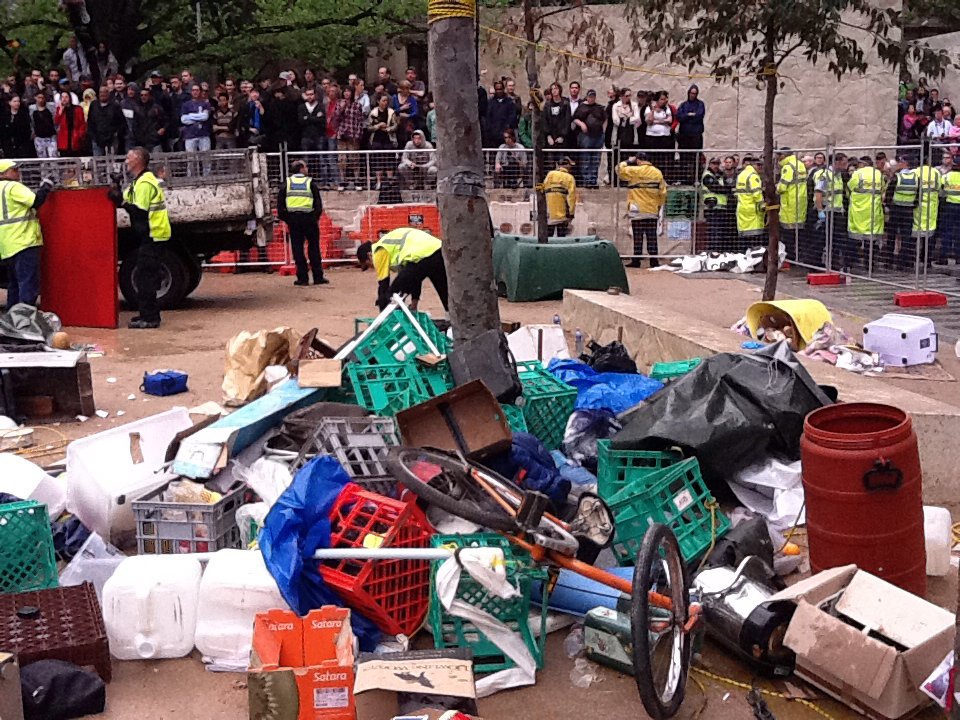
[808, 316]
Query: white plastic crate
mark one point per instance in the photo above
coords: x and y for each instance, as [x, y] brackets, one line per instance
[901, 340]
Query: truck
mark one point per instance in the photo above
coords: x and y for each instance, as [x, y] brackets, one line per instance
[217, 201]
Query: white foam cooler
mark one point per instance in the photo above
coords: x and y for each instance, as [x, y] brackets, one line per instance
[901, 340]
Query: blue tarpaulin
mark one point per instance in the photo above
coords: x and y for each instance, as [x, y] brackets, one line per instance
[614, 391]
[295, 528]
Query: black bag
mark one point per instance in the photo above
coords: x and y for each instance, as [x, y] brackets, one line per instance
[58, 690]
[610, 358]
[487, 357]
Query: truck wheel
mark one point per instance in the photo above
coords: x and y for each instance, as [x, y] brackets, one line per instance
[174, 279]
[194, 273]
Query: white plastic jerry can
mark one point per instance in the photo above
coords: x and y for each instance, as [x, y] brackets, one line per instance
[938, 533]
[150, 607]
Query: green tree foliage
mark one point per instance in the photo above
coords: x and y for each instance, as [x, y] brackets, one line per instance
[239, 36]
[736, 39]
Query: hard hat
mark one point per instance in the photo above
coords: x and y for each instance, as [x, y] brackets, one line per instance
[7, 165]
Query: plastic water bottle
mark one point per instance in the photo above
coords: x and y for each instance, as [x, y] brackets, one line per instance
[556, 319]
[578, 340]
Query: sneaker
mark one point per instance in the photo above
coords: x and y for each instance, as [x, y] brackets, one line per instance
[341, 187]
[301, 283]
[321, 281]
[358, 188]
[138, 323]
[379, 185]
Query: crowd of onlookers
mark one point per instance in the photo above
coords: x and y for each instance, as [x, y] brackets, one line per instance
[922, 115]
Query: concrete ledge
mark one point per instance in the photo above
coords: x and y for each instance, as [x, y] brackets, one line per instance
[653, 333]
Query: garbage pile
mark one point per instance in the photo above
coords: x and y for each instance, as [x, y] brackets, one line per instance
[295, 539]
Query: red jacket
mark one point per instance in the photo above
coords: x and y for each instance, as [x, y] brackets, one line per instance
[67, 141]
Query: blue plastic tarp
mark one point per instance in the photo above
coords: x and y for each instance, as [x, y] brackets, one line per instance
[295, 528]
[614, 391]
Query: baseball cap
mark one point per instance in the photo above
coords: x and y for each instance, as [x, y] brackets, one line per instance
[714, 160]
[642, 156]
[7, 165]
[64, 81]
[749, 158]
[591, 91]
[156, 73]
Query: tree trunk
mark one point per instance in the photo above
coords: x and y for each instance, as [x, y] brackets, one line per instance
[461, 198]
[533, 80]
[770, 182]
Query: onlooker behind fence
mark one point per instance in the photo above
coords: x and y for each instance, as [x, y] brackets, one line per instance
[625, 115]
[938, 128]
[44, 128]
[105, 124]
[225, 123]
[255, 113]
[386, 79]
[751, 217]
[647, 194]
[418, 166]
[75, 61]
[501, 116]
[405, 106]
[560, 189]
[525, 126]
[15, 130]
[417, 88]
[178, 96]
[313, 121]
[196, 121]
[574, 101]
[510, 168]
[556, 122]
[690, 115]
[590, 119]
[329, 164]
[383, 138]
[349, 135]
[107, 65]
[71, 127]
[129, 107]
[659, 119]
[432, 119]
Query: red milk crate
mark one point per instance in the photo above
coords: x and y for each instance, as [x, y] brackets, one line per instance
[826, 278]
[920, 298]
[394, 594]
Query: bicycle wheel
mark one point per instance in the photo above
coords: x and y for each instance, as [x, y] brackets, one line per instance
[449, 486]
[661, 648]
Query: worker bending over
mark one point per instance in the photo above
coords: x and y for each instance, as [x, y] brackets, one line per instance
[415, 255]
[20, 236]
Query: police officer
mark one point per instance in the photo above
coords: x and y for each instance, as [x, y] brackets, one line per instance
[902, 196]
[865, 219]
[415, 255]
[716, 196]
[299, 206]
[751, 216]
[828, 201]
[560, 189]
[792, 189]
[925, 213]
[145, 203]
[950, 217]
[20, 235]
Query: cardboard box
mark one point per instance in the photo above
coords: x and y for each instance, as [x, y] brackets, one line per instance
[467, 417]
[383, 681]
[877, 646]
[302, 668]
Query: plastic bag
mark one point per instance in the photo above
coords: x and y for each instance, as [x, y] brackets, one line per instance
[730, 411]
[296, 526]
[584, 428]
[95, 563]
[58, 690]
[614, 391]
[267, 478]
[612, 357]
[250, 516]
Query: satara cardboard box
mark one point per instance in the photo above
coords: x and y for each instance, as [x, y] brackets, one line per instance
[383, 680]
[302, 668]
[875, 649]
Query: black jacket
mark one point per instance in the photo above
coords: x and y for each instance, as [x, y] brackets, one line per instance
[15, 132]
[313, 125]
[105, 123]
[556, 119]
[300, 217]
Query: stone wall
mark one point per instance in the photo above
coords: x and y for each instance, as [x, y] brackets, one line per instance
[949, 85]
[858, 111]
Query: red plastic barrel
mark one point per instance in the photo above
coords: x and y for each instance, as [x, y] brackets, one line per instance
[861, 476]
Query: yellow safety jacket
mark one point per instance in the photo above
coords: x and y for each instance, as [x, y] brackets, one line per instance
[647, 189]
[560, 187]
[927, 210]
[865, 220]
[792, 190]
[299, 194]
[707, 194]
[906, 188]
[146, 193]
[951, 187]
[750, 211]
[830, 183]
[402, 247]
[19, 227]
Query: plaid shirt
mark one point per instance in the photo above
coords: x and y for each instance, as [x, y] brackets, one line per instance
[351, 122]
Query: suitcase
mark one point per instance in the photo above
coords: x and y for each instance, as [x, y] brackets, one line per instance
[901, 340]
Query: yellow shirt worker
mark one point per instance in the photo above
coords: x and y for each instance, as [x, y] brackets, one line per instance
[20, 236]
[415, 256]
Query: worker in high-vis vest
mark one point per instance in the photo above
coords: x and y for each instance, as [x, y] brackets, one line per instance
[865, 216]
[646, 196]
[950, 217]
[560, 189]
[145, 203]
[831, 214]
[925, 215]
[901, 197]
[414, 255]
[715, 196]
[20, 235]
[792, 190]
[299, 206]
[751, 214]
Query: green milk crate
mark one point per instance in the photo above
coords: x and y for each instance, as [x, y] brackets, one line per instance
[618, 468]
[27, 559]
[396, 340]
[515, 418]
[669, 370]
[388, 388]
[675, 496]
[547, 403]
[522, 572]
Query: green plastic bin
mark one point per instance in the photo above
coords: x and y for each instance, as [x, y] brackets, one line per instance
[27, 559]
[616, 469]
[547, 403]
